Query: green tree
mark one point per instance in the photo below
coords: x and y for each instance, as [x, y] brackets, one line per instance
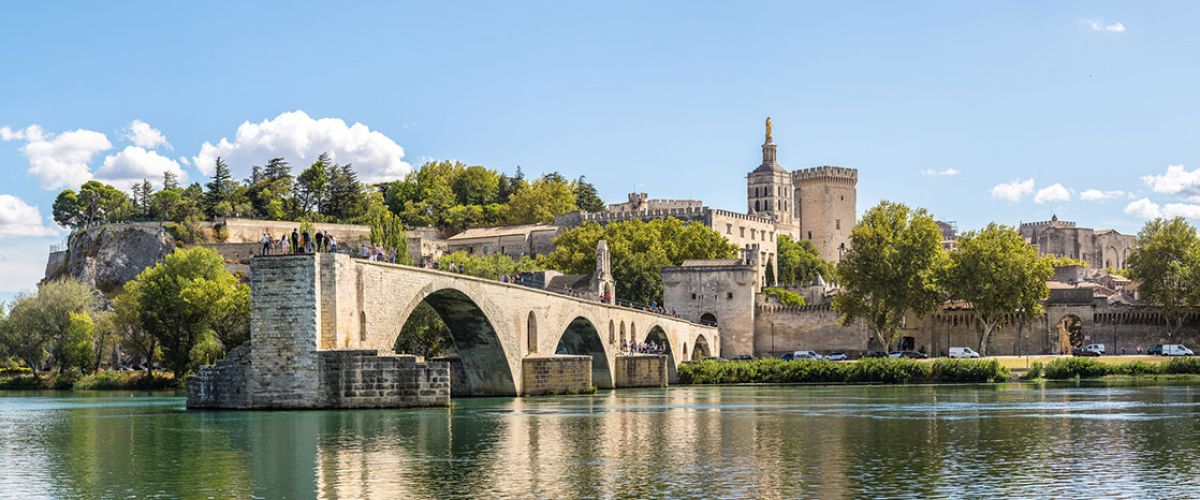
[67, 210]
[586, 196]
[785, 297]
[799, 262]
[218, 189]
[476, 185]
[312, 186]
[770, 273]
[387, 231]
[487, 266]
[1166, 264]
[348, 200]
[891, 268]
[134, 337]
[179, 300]
[424, 333]
[79, 343]
[542, 200]
[39, 326]
[637, 251]
[1000, 275]
[95, 203]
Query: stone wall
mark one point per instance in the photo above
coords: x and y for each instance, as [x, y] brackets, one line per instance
[826, 207]
[725, 293]
[641, 370]
[223, 385]
[460, 385]
[779, 329]
[558, 374]
[284, 328]
[365, 379]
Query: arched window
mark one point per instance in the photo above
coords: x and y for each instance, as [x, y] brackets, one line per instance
[532, 332]
[756, 207]
[362, 326]
[612, 332]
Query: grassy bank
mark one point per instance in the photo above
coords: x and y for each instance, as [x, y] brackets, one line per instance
[99, 381]
[877, 371]
[1072, 367]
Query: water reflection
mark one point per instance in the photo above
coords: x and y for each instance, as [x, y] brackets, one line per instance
[941, 441]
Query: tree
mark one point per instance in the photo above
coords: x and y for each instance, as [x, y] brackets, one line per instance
[1166, 264]
[79, 343]
[541, 201]
[586, 196]
[39, 327]
[770, 273]
[637, 251]
[218, 189]
[347, 198]
[424, 333]
[476, 185]
[387, 231]
[1000, 275]
[135, 338]
[179, 301]
[312, 186]
[95, 202]
[799, 262]
[891, 268]
[67, 212]
[487, 266]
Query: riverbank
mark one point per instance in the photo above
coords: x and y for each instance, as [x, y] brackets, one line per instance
[99, 381]
[863, 371]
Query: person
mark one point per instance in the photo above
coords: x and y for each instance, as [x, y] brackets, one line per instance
[363, 253]
[295, 242]
[266, 241]
[306, 239]
[283, 243]
[320, 241]
[332, 243]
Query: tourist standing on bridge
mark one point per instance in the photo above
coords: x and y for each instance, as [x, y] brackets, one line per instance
[266, 241]
[332, 243]
[320, 241]
[295, 242]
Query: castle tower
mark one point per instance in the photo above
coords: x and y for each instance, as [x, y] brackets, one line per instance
[826, 210]
[769, 190]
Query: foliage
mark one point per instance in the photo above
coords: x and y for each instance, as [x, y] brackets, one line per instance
[135, 338]
[545, 197]
[46, 326]
[1035, 370]
[891, 268]
[451, 196]
[424, 333]
[487, 266]
[1000, 275]
[1166, 263]
[785, 297]
[638, 251]
[1057, 262]
[869, 370]
[586, 196]
[95, 203]
[123, 380]
[1079, 367]
[78, 347]
[387, 231]
[799, 262]
[180, 301]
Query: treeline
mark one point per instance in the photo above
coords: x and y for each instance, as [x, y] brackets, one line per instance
[448, 195]
[185, 311]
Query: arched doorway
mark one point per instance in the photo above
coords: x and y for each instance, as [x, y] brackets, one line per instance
[659, 337]
[582, 339]
[700, 349]
[484, 361]
[531, 334]
[612, 333]
[1070, 333]
[709, 319]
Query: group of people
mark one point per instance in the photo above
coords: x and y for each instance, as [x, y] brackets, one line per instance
[657, 309]
[299, 242]
[377, 253]
[631, 347]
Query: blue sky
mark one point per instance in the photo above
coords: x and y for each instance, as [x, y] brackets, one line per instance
[1074, 108]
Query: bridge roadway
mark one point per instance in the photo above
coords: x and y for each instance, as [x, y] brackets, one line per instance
[304, 304]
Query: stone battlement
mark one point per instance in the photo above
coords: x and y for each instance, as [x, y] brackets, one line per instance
[1047, 223]
[738, 215]
[826, 173]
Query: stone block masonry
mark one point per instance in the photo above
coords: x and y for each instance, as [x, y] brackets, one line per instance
[641, 370]
[558, 374]
[364, 379]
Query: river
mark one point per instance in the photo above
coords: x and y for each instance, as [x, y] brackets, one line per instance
[1004, 440]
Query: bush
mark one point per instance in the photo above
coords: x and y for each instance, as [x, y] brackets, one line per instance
[785, 297]
[1063, 368]
[871, 370]
[116, 380]
[1034, 371]
[1182, 366]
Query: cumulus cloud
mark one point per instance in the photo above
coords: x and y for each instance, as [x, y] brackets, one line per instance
[1147, 209]
[1099, 196]
[1100, 25]
[929, 172]
[133, 164]
[301, 139]
[1013, 191]
[60, 160]
[1143, 208]
[1176, 180]
[141, 134]
[1051, 194]
[20, 219]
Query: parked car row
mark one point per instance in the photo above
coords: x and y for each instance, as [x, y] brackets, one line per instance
[960, 353]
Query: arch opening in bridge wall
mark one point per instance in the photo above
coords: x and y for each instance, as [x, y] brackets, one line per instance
[623, 339]
[700, 348]
[709, 319]
[531, 340]
[484, 361]
[582, 339]
[659, 337]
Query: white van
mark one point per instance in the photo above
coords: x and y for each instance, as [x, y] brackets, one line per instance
[1098, 349]
[1175, 350]
[963, 352]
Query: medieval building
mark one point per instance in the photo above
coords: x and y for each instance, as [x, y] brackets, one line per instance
[1099, 249]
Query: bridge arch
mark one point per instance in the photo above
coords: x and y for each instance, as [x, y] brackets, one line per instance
[708, 318]
[660, 338]
[700, 349]
[531, 340]
[581, 338]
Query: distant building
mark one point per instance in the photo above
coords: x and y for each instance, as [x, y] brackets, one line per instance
[1099, 249]
[529, 239]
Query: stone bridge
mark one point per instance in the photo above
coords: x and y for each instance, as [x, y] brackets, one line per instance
[306, 308]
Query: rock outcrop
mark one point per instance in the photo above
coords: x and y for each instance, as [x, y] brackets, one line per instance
[108, 256]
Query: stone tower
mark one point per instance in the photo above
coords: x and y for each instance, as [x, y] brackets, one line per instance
[603, 284]
[825, 208]
[769, 190]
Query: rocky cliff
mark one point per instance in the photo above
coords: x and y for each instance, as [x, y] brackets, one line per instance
[108, 256]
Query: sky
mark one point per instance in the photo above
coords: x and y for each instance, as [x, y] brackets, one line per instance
[976, 111]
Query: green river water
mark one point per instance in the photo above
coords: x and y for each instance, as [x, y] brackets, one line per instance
[1006, 440]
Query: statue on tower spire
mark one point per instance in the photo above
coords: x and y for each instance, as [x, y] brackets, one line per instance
[768, 130]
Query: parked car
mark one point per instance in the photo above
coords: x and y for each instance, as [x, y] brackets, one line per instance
[1155, 350]
[743, 357]
[963, 352]
[716, 358]
[1176, 350]
[800, 355]
[907, 354]
[1096, 348]
[1084, 352]
[876, 354]
[837, 356]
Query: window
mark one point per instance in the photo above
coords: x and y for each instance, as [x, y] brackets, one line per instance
[728, 228]
[752, 233]
[756, 208]
[810, 235]
[742, 230]
[693, 296]
[729, 295]
[837, 224]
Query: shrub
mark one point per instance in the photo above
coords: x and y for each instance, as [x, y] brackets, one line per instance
[1064, 368]
[962, 370]
[1182, 366]
[115, 380]
[871, 370]
[1034, 371]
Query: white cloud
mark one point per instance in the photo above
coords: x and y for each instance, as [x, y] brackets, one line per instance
[142, 134]
[133, 164]
[20, 219]
[1051, 194]
[929, 172]
[300, 139]
[1013, 191]
[59, 160]
[1175, 180]
[1100, 25]
[183, 160]
[1143, 208]
[1099, 196]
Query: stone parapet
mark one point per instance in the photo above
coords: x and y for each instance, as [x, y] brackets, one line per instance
[641, 370]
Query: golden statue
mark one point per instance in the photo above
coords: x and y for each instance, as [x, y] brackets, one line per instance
[768, 130]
